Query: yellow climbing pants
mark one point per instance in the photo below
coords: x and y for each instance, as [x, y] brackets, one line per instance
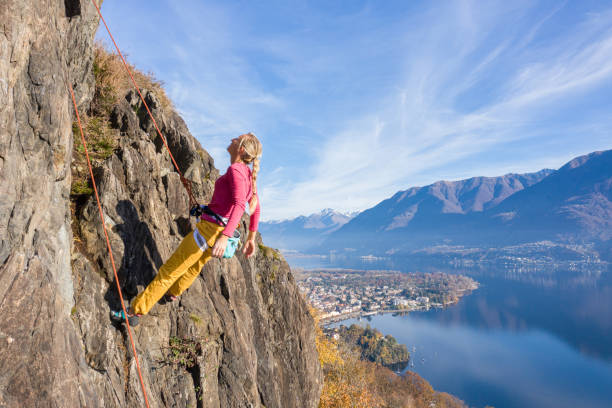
[179, 272]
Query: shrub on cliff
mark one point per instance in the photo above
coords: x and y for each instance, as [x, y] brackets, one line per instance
[373, 346]
[346, 378]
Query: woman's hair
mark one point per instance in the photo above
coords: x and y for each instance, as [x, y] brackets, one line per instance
[251, 154]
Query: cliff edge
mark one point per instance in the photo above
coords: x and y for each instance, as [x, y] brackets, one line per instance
[241, 336]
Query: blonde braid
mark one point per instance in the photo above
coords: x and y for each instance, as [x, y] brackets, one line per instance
[252, 152]
[254, 174]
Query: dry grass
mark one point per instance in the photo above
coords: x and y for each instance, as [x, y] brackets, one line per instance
[269, 253]
[113, 81]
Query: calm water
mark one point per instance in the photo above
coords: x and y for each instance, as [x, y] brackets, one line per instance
[523, 339]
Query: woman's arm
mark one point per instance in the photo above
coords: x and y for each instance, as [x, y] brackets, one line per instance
[249, 245]
[254, 220]
[219, 248]
[238, 183]
[253, 204]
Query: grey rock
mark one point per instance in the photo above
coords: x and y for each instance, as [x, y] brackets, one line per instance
[258, 336]
[57, 345]
[41, 52]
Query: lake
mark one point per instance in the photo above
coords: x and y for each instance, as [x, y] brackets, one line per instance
[525, 338]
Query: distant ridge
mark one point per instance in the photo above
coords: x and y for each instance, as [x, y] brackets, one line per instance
[429, 206]
[303, 232]
[572, 204]
[575, 202]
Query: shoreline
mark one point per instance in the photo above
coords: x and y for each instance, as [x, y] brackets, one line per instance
[334, 319]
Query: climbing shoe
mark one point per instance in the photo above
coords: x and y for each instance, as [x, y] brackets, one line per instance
[169, 298]
[119, 317]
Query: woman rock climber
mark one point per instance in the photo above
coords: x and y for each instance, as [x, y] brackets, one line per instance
[234, 190]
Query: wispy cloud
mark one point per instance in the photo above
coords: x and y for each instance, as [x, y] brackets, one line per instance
[355, 104]
[419, 130]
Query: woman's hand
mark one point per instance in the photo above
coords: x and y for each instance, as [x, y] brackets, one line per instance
[219, 248]
[249, 246]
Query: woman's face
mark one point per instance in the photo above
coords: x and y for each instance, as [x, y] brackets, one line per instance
[234, 146]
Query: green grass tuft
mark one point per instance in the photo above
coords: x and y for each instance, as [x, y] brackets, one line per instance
[195, 318]
[80, 188]
[76, 134]
[184, 352]
[269, 253]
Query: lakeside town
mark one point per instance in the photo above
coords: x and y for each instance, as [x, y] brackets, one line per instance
[345, 293]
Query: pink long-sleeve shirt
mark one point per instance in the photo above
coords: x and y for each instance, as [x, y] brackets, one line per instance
[233, 191]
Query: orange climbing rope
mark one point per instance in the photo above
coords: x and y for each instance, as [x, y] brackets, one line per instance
[110, 251]
[186, 182]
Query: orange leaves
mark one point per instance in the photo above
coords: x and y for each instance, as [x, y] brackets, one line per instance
[348, 380]
[352, 383]
[349, 384]
[329, 355]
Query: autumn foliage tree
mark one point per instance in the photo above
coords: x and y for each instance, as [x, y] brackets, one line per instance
[347, 379]
[353, 383]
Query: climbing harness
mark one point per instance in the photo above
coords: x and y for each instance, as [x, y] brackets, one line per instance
[233, 243]
[199, 240]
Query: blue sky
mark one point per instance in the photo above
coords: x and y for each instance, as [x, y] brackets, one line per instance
[355, 100]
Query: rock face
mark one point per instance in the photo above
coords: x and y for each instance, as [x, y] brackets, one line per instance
[241, 336]
[42, 50]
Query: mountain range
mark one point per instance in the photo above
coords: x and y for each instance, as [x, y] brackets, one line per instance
[303, 232]
[571, 205]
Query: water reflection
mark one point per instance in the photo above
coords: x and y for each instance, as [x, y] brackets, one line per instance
[529, 336]
[543, 274]
[579, 314]
[497, 367]
[573, 304]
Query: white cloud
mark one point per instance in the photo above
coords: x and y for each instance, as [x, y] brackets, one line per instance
[418, 128]
[214, 85]
[353, 106]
